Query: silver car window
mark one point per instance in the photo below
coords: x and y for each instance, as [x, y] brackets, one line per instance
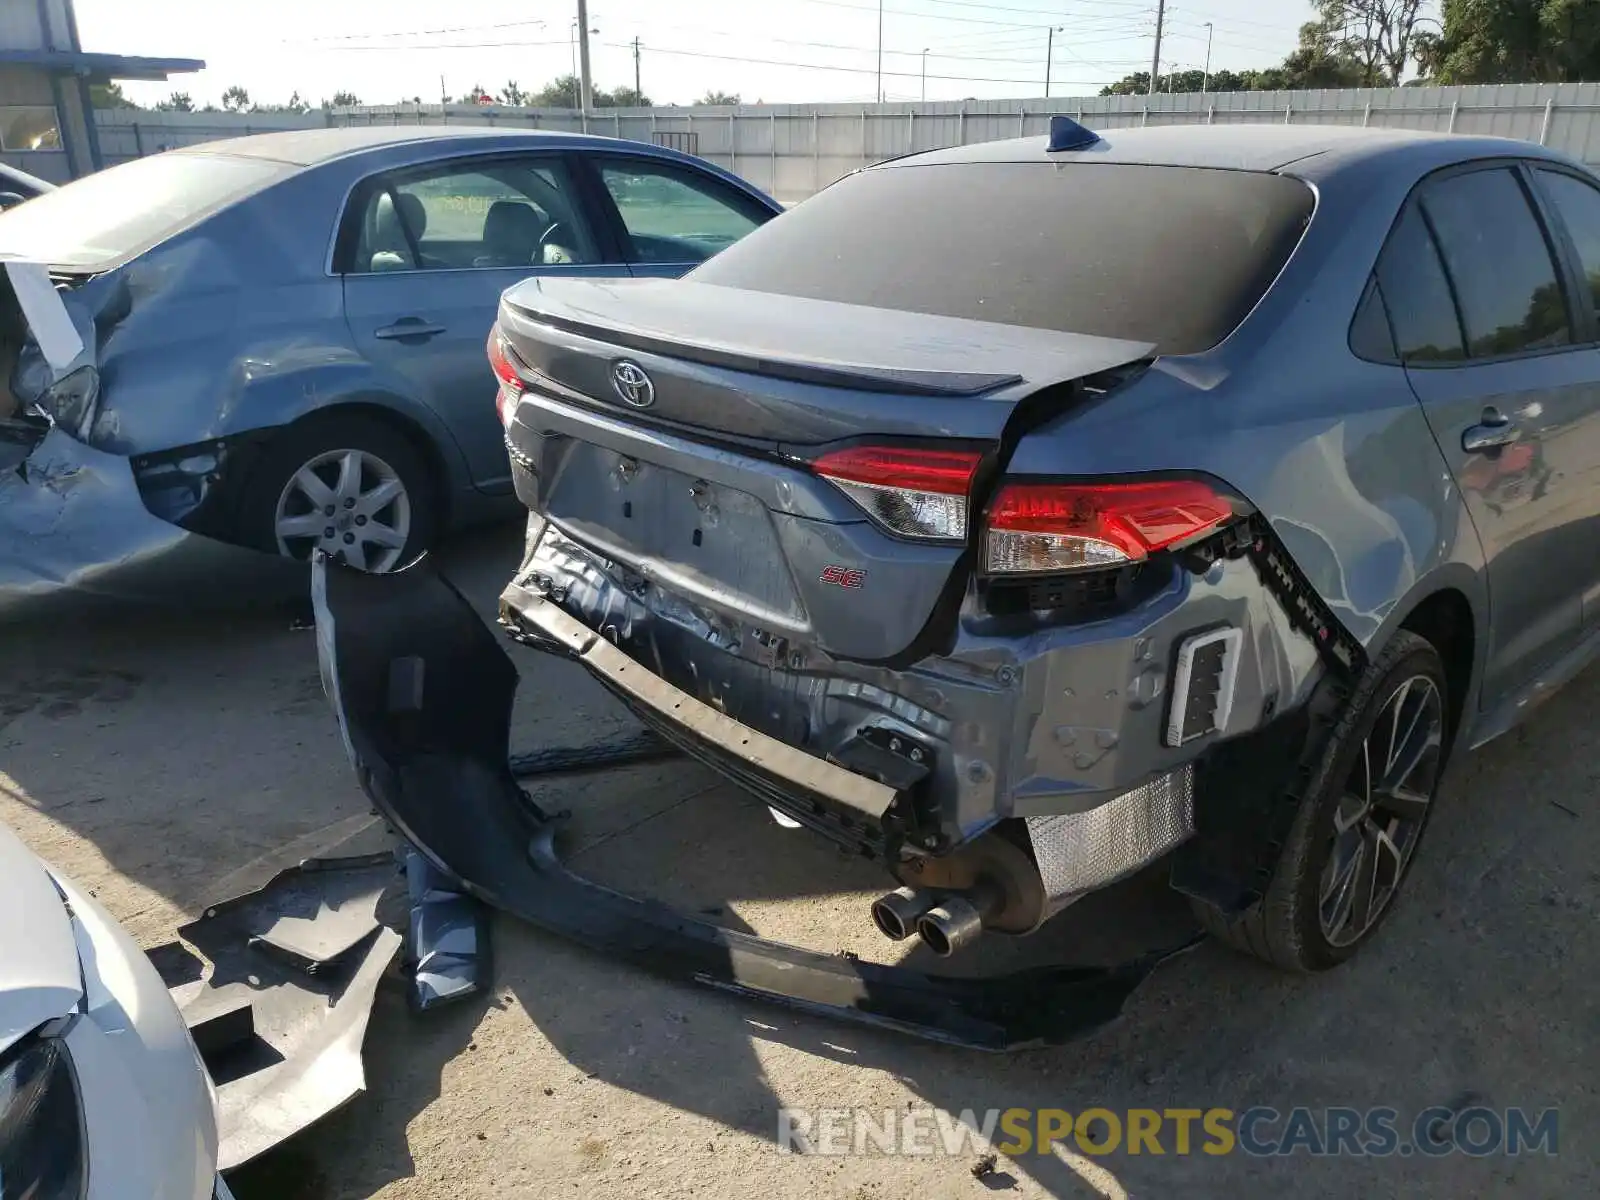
[517, 213]
[672, 216]
[1578, 204]
[117, 214]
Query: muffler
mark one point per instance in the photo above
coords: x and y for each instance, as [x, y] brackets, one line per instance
[957, 920]
[897, 913]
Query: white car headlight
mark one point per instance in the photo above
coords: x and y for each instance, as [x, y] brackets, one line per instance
[41, 1123]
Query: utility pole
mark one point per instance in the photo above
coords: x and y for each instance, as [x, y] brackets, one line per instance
[1050, 54]
[924, 74]
[1205, 79]
[444, 96]
[638, 93]
[1155, 62]
[880, 51]
[585, 84]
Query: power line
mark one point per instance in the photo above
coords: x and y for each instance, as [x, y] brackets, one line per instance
[1044, 15]
[771, 62]
[784, 41]
[354, 37]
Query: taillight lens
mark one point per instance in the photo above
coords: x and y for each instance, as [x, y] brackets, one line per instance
[511, 384]
[914, 493]
[1036, 527]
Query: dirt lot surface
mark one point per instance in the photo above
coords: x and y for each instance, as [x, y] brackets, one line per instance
[150, 758]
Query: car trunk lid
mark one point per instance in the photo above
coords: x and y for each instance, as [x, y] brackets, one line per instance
[700, 478]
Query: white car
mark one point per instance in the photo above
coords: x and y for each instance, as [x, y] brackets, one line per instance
[103, 1095]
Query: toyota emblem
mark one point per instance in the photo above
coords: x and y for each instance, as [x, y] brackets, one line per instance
[633, 385]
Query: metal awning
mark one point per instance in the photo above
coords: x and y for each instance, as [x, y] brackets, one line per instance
[100, 67]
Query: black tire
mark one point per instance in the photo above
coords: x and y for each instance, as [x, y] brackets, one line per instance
[327, 434]
[1286, 926]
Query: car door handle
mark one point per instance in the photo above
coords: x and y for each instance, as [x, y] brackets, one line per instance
[1494, 432]
[408, 327]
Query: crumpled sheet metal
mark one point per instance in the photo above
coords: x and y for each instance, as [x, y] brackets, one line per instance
[306, 953]
[73, 527]
[423, 691]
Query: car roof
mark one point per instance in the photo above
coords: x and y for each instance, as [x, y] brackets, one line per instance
[1261, 147]
[308, 147]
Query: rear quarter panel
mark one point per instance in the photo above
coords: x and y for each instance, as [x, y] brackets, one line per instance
[1334, 451]
[236, 326]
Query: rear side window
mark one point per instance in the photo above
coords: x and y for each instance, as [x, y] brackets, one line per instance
[1417, 292]
[117, 214]
[1176, 256]
[1578, 204]
[1370, 335]
[1499, 263]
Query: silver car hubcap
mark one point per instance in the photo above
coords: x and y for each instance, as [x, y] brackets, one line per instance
[349, 503]
[1379, 817]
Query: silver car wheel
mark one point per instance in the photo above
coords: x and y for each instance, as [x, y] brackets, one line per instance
[1379, 817]
[349, 503]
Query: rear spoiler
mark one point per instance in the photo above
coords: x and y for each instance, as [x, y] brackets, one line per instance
[862, 378]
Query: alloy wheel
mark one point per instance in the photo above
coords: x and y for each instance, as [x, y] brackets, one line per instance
[349, 503]
[1380, 814]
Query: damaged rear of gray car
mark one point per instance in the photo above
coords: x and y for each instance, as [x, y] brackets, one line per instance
[1018, 514]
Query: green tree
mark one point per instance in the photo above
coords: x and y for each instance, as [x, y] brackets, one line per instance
[344, 100]
[560, 92]
[1515, 41]
[622, 97]
[1379, 35]
[294, 104]
[177, 102]
[513, 94]
[109, 95]
[725, 98]
[235, 99]
[478, 95]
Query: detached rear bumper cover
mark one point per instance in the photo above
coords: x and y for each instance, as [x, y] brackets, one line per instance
[423, 691]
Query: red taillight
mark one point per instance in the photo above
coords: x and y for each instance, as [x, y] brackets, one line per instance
[511, 383]
[914, 493]
[1062, 527]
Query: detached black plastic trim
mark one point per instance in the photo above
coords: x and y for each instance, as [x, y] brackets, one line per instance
[423, 690]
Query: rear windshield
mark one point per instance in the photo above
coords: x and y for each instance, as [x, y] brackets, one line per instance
[1176, 256]
[111, 216]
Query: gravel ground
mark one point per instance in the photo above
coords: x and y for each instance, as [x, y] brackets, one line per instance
[151, 758]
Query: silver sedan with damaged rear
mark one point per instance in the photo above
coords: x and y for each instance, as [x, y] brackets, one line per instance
[274, 344]
[1020, 514]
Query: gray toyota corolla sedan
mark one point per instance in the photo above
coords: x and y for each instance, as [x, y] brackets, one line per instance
[276, 342]
[1020, 513]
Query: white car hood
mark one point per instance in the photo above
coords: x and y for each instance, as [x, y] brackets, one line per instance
[40, 978]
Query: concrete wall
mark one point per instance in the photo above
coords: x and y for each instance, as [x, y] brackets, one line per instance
[792, 150]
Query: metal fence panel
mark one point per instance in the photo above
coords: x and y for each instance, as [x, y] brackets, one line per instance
[793, 150]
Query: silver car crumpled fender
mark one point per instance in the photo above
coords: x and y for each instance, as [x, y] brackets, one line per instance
[74, 526]
[423, 690]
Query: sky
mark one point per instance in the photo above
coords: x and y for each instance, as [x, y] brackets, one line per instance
[777, 51]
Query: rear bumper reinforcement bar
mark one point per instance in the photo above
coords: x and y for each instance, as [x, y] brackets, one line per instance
[423, 690]
[757, 751]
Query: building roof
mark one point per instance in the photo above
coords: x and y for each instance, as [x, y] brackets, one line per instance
[102, 66]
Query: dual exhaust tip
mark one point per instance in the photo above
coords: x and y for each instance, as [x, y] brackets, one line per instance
[945, 922]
